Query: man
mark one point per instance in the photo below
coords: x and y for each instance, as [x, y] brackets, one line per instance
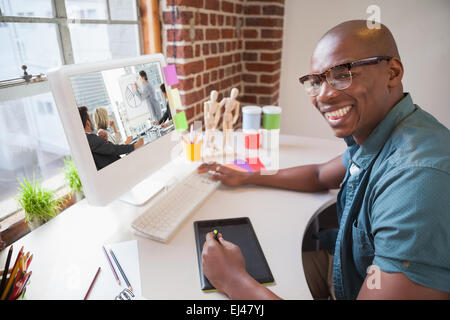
[147, 93]
[393, 206]
[104, 152]
[166, 118]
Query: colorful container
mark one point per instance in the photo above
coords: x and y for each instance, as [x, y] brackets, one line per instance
[271, 117]
[251, 118]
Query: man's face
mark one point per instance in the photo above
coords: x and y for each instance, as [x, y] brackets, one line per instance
[358, 109]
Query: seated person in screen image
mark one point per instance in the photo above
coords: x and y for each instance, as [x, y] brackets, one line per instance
[104, 152]
[148, 94]
[107, 129]
[166, 119]
[393, 208]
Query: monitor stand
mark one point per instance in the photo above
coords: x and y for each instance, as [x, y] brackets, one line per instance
[160, 180]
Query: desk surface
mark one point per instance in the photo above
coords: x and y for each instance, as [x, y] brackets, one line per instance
[68, 249]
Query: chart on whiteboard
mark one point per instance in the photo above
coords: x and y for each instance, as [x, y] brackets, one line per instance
[134, 104]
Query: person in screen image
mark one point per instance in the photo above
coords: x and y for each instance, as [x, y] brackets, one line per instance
[166, 119]
[104, 152]
[147, 93]
[107, 128]
[394, 178]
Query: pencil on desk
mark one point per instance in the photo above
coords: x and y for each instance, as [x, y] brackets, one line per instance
[92, 284]
[121, 271]
[111, 265]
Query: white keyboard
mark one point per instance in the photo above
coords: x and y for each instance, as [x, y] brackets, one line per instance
[169, 211]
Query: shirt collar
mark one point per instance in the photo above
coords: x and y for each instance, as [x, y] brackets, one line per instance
[376, 140]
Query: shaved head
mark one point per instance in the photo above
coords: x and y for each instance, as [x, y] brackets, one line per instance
[356, 41]
[374, 89]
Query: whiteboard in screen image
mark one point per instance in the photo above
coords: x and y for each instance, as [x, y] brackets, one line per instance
[135, 106]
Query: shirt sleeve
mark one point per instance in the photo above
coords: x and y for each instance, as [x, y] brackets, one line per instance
[410, 222]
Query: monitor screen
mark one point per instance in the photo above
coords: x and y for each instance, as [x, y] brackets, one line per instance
[121, 109]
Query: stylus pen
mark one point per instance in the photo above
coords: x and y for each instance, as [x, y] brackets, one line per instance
[121, 271]
[216, 234]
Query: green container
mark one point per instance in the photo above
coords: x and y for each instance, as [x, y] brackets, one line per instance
[271, 117]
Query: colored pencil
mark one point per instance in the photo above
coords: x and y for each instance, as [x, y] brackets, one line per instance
[111, 265]
[12, 276]
[121, 271]
[92, 284]
[5, 271]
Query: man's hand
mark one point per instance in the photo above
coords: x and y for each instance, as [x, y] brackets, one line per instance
[227, 175]
[129, 139]
[138, 143]
[103, 134]
[223, 263]
[135, 85]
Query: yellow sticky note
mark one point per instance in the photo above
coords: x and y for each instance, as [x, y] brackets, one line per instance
[174, 100]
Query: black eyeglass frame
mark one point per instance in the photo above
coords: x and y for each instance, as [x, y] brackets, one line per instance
[349, 65]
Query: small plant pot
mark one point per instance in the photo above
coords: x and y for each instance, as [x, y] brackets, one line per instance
[33, 224]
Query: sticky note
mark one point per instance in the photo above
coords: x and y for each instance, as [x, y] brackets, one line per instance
[170, 72]
[180, 121]
[174, 100]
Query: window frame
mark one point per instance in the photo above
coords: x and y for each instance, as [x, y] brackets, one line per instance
[21, 88]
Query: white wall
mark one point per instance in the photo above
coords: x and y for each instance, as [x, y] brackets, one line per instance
[421, 29]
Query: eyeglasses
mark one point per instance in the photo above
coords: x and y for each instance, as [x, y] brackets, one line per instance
[338, 77]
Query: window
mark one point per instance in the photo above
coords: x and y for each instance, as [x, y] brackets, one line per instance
[42, 34]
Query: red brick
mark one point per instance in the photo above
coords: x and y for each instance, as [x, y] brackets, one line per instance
[273, 10]
[212, 34]
[206, 78]
[270, 33]
[213, 48]
[271, 56]
[181, 51]
[227, 33]
[250, 56]
[204, 18]
[267, 45]
[190, 112]
[184, 17]
[198, 81]
[186, 84]
[264, 78]
[192, 97]
[205, 48]
[227, 59]
[264, 22]
[252, 9]
[227, 6]
[178, 35]
[258, 89]
[263, 67]
[248, 99]
[251, 78]
[214, 75]
[212, 19]
[212, 62]
[220, 19]
[187, 3]
[190, 68]
[212, 4]
[238, 8]
[250, 33]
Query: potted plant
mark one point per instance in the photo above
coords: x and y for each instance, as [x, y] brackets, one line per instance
[40, 205]
[72, 179]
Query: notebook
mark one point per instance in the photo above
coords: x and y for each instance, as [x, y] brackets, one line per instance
[240, 232]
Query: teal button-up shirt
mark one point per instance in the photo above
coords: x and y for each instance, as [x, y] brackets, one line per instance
[394, 203]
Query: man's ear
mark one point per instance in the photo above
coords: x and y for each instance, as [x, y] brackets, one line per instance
[395, 72]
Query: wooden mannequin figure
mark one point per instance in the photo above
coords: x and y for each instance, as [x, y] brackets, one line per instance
[212, 112]
[230, 117]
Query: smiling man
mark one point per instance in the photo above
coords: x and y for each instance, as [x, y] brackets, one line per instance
[393, 205]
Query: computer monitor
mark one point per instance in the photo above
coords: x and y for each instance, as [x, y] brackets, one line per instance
[108, 109]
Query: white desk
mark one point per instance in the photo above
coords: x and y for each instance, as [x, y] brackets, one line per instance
[68, 249]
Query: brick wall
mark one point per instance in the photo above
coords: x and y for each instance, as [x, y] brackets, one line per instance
[222, 44]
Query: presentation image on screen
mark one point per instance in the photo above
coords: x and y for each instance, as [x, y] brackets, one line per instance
[121, 110]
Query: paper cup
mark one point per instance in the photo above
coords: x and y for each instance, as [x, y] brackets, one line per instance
[251, 118]
[271, 117]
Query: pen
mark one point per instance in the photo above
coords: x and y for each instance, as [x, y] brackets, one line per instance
[111, 265]
[120, 269]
